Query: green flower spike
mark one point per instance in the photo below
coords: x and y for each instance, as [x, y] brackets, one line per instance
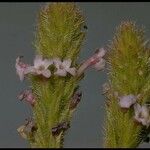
[128, 90]
[59, 36]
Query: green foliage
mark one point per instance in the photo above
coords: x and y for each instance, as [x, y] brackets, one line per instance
[59, 34]
[128, 71]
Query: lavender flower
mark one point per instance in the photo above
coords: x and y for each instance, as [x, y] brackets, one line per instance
[28, 96]
[21, 68]
[64, 67]
[40, 67]
[127, 100]
[96, 61]
[142, 114]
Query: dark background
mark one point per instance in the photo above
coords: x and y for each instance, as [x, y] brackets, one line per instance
[17, 27]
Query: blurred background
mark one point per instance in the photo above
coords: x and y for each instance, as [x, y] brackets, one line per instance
[17, 28]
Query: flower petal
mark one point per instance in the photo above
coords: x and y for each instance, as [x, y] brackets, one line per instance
[61, 72]
[17, 61]
[21, 75]
[28, 96]
[100, 65]
[127, 101]
[137, 109]
[57, 62]
[47, 63]
[37, 61]
[46, 73]
[145, 112]
[20, 68]
[101, 52]
[67, 63]
[30, 69]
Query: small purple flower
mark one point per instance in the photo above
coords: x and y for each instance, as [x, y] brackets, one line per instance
[28, 96]
[21, 68]
[64, 67]
[96, 61]
[142, 114]
[40, 67]
[127, 100]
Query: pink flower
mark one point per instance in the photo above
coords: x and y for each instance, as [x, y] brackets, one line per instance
[21, 68]
[127, 100]
[28, 96]
[96, 61]
[64, 67]
[142, 114]
[40, 67]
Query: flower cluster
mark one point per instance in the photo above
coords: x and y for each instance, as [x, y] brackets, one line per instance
[141, 112]
[41, 66]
